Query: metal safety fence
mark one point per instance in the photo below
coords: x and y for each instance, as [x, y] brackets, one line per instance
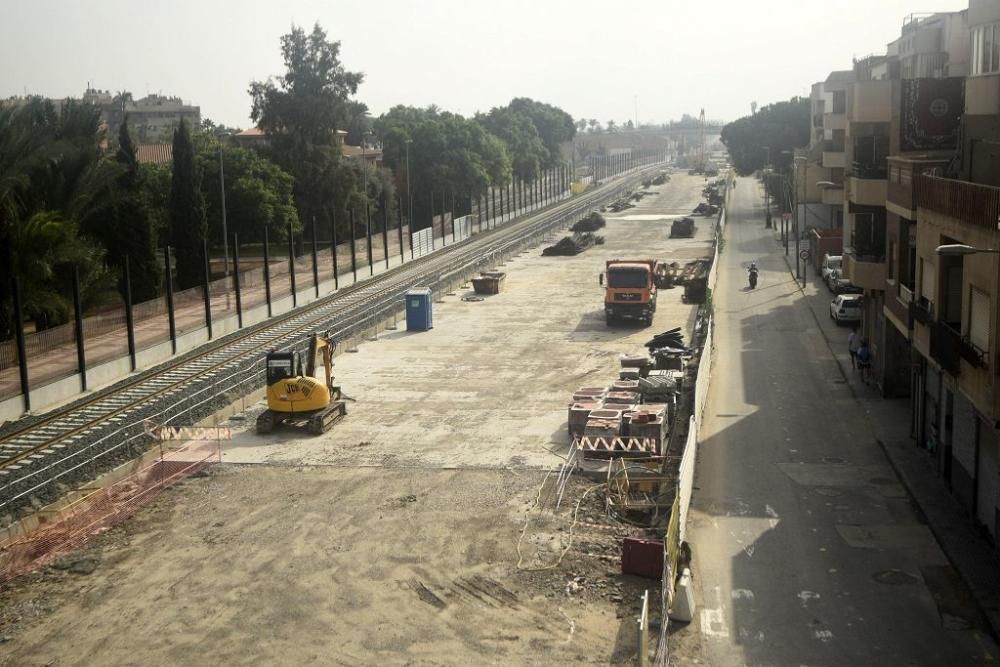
[676, 532]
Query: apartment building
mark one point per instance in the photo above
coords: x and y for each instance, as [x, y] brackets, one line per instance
[954, 306]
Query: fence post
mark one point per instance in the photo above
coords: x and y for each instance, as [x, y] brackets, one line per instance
[205, 283]
[432, 219]
[22, 354]
[354, 255]
[170, 301]
[236, 279]
[267, 270]
[409, 229]
[368, 234]
[333, 248]
[399, 216]
[129, 321]
[315, 258]
[81, 359]
[493, 196]
[385, 230]
[291, 264]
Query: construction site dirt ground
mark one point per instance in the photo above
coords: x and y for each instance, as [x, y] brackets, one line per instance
[400, 536]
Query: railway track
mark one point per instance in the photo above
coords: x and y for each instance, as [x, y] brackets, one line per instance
[41, 459]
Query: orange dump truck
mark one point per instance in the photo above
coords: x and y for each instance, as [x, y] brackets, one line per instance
[630, 289]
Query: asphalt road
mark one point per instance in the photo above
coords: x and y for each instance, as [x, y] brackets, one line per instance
[807, 549]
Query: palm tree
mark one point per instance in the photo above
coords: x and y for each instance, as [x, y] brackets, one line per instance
[593, 124]
[611, 126]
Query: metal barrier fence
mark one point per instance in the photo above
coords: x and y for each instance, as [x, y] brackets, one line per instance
[98, 509]
[677, 527]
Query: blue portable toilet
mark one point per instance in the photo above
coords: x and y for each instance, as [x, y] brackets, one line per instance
[418, 310]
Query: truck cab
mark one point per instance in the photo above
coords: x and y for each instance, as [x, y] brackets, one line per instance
[629, 290]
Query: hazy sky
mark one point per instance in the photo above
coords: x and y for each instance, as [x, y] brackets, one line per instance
[590, 58]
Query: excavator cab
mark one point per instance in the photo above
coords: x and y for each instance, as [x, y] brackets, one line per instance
[295, 396]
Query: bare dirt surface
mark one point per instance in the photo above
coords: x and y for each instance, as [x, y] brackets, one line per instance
[269, 565]
[418, 532]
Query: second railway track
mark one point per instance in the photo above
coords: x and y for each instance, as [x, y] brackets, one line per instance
[39, 460]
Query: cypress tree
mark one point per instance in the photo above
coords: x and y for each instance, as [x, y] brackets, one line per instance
[188, 224]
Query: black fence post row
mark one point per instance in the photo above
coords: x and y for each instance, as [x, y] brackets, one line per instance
[493, 196]
[354, 255]
[22, 354]
[172, 323]
[208, 295]
[333, 248]
[315, 258]
[129, 320]
[291, 264]
[432, 220]
[236, 280]
[267, 270]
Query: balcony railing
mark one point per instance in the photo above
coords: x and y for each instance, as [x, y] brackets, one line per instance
[973, 203]
[905, 294]
[902, 194]
[869, 171]
[921, 310]
[944, 347]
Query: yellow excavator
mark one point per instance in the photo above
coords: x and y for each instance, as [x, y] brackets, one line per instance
[295, 397]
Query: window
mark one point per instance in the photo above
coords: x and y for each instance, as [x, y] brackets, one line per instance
[986, 49]
[840, 101]
[979, 318]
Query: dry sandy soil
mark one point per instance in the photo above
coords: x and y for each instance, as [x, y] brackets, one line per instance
[395, 538]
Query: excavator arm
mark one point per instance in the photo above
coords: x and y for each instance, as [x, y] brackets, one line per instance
[321, 345]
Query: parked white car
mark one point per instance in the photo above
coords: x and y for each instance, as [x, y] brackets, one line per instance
[846, 308]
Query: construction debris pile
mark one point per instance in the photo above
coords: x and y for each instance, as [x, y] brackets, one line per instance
[631, 416]
[591, 223]
[673, 273]
[573, 245]
[705, 209]
[682, 227]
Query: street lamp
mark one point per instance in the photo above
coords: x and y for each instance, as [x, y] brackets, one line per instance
[767, 194]
[958, 249]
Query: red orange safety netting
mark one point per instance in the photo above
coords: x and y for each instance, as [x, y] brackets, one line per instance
[96, 510]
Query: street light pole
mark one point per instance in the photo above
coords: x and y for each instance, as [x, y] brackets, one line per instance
[225, 235]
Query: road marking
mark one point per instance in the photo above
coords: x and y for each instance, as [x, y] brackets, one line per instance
[713, 621]
[823, 635]
[742, 594]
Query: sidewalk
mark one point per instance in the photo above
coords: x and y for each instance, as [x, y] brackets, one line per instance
[969, 552]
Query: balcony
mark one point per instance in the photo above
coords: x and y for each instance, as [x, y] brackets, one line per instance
[944, 347]
[833, 196]
[982, 95]
[867, 190]
[865, 271]
[834, 121]
[921, 310]
[905, 295]
[975, 204]
[834, 159]
[901, 194]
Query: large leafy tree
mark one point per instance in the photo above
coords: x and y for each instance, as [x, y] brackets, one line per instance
[188, 225]
[53, 182]
[126, 227]
[258, 192]
[449, 155]
[777, 129]
[301, 112]
[534, 133]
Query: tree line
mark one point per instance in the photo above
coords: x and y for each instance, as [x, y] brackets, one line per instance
[71, 208]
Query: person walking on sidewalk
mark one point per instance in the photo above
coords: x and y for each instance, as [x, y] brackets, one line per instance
[865, 360]
[853, 343]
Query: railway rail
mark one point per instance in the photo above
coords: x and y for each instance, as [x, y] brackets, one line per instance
[41, 459]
